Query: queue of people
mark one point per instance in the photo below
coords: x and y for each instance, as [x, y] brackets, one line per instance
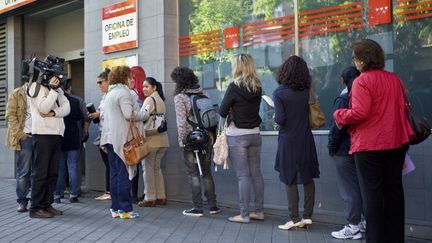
[368, 167]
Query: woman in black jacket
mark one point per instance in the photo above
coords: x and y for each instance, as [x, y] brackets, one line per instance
[242, 102]
[338, 145]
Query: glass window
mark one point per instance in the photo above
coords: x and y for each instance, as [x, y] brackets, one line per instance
[212, 31]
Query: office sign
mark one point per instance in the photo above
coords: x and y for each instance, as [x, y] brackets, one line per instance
[7, 5]
[120, 26]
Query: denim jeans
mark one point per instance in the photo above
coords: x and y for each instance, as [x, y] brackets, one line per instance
[244, 153]
[152, 174]
[71, 159]
[23, 160]
[120, 184]
[349, 188]
[195, 178]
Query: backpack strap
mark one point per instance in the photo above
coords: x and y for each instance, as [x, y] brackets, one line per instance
[193, 124]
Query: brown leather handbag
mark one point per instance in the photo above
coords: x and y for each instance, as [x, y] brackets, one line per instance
[316, 116]
[135, 149]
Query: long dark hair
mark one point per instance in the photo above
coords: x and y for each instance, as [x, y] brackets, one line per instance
[348, 76]
[184, 78]
[294, 73]
[153, 82]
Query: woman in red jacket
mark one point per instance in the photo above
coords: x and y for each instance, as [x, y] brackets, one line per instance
[380, 133]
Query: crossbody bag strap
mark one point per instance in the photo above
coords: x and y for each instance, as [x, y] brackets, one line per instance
[154, 102]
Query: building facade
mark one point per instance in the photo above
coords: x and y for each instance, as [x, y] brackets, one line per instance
[161, 34]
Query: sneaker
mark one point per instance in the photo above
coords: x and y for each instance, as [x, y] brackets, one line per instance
[114, 213]
[362, 226]
[22, 207]
[215, 210]
[193, 212]
[128, 215]
[347, 233]
[239, 219]
[73, 200]
[256, 215]
[105, 196]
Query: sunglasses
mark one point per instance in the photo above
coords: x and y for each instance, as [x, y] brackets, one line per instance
[99, 82]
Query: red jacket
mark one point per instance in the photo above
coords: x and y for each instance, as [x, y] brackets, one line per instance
[376, 116]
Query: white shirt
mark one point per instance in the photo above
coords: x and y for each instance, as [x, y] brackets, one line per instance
[28, 120]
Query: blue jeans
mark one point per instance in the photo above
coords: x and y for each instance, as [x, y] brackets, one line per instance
[23, 160]
[349, 187]
[120, 185]
[71, 159]
[244, 153]
[195, 178]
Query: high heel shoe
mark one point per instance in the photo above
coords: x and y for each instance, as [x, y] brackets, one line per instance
[289, 225]
[304, 223]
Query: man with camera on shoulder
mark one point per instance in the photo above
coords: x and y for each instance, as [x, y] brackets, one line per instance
[48, 107]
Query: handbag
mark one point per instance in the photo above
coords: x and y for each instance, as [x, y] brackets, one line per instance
[316, 116]
[156, 122]
[418, 123]
[135, 149]
[220, 147]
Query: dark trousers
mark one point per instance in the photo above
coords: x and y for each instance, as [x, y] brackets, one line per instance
[380, 177]
[293, 201]
[47, 150]
[120, 184]
[135, 184]
[107, 169]
[349, 188]
[195, 178]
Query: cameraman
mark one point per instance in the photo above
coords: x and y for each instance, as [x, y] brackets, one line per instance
[48, 107]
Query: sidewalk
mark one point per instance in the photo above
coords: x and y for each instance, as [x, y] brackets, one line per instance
[90, 221]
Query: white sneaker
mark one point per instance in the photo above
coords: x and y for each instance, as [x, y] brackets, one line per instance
[362, 226]
[256, 215]
[347, 233]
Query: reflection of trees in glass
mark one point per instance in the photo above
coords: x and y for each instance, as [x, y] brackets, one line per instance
[209, 15]
[412, 54]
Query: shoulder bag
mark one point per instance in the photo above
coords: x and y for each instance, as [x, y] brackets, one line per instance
[316, 116]
[418, 123]
[156, 122]
[135, 149]
[220, 147]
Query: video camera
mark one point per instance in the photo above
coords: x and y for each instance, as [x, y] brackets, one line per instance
[41, 72]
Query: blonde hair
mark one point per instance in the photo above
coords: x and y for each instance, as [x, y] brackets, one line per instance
[244, 72]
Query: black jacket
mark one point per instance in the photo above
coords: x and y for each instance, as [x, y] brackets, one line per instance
[339, 141]
[242, 106]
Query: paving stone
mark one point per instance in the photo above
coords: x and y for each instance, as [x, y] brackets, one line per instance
[90, 221]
